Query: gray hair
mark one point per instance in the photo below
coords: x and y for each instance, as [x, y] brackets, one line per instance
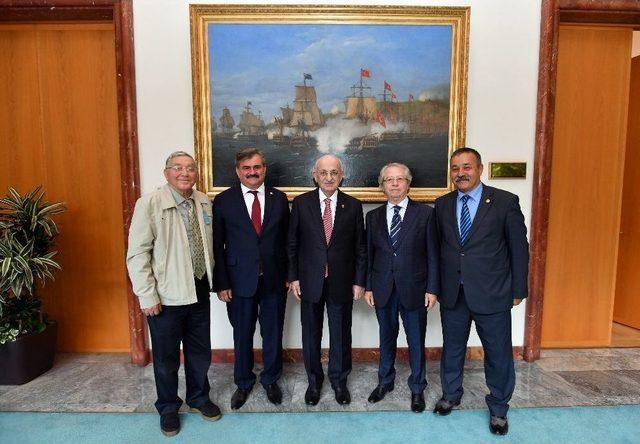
[407, 172]
[177, 154]
[315, 165]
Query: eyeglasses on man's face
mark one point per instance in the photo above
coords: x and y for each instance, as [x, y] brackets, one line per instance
[394, 179]
[331, 173]
[181, 169]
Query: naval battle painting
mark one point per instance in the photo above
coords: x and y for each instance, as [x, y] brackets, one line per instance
[371, 85]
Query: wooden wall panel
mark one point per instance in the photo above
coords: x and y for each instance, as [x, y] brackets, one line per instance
[586, 182]
[20, 134]
[79, 163]
[627, 300]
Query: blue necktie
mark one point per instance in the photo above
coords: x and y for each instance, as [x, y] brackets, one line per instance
[465, 220]
[394, 232]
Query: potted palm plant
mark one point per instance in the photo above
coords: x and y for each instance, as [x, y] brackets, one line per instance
[27, 337]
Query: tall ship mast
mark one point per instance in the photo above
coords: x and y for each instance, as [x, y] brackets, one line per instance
[389, 106]
[251, 125]
[226, 122]
[306, 115]
[360, 104]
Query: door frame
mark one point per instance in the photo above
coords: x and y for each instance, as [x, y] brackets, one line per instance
[120, 12]
[617, 12]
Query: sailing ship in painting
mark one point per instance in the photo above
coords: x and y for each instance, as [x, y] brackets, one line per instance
[381, 120]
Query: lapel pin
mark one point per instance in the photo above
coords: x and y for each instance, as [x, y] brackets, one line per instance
[342, 206]
[488, 200]
[270, 193]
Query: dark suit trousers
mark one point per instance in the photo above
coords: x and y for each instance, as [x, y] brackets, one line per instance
[243, 313]
[495, 333]
[312, 317]
[189, 324]
[415, 326]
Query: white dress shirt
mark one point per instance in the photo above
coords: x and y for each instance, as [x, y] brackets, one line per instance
[248, 199]
[334, 204]
[403, 208]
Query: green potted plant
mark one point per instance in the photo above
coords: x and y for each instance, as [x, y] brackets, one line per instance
[27, 337]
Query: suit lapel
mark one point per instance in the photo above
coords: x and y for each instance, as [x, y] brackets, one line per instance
[340, 210]
[316, 214]
[269, 199]
[483, 208]
[452, 202]
[383, 227]
[408, 221]
[242, 206]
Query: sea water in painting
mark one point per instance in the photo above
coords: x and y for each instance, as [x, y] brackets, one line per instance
[371, 94]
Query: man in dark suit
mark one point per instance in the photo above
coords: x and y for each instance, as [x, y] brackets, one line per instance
[250, 234]
[327, 266]
[402, 278]
[484, 257]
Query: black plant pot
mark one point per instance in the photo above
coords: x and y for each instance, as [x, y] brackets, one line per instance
[28, 357]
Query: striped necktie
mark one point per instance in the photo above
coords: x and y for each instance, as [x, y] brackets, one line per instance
[465, 220]
[396, 222]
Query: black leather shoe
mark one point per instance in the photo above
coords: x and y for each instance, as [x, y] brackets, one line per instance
[343, 397]
[444, 407]
[499, 425]
[274, 394]
[379, 392]
[312, 396]
[239, 398]
[209, 411]
[170, 424]
[417, 402]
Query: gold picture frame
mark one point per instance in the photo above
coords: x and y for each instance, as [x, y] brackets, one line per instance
[507, 170]
[419, 127]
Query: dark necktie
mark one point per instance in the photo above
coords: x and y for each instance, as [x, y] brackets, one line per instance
[396, 222]
[256, 217]
[327, 223]
[465, 220]
[197, 253]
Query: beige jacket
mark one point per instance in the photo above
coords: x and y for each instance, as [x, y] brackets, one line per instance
[158, 258]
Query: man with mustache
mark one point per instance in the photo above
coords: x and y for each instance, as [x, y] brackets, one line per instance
[327, 266]
[250, 234]
[484, 257]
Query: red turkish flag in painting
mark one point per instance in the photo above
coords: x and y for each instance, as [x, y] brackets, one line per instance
[380, 119]
[387, 86]
[364, 73]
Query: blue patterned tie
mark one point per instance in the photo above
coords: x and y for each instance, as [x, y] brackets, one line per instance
[465, 220]
[396, 222]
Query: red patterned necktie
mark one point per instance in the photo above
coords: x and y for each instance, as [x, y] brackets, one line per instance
[326, 220]
[256, 217]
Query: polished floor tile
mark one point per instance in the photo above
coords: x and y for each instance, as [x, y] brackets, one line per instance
[109, 383]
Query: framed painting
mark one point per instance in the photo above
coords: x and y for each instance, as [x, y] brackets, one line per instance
[370, 84]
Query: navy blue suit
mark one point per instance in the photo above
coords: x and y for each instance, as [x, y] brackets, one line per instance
[479, 281]
[254, 267]
[345, 258]
[399, 276]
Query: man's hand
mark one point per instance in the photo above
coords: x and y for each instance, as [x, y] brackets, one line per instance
[294, 287]
[225, 295]
[152, 311]
[430, 300]
[358, 291]
[368, 297]
[517, 302]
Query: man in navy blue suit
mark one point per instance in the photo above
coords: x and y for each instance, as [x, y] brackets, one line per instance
[402, 278]
[249, 232]
[484, 258]
[327, 266]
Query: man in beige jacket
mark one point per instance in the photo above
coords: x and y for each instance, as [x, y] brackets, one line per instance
[170, 263]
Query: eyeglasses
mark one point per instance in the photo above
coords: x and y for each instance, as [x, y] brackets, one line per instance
[325, 173]
[179, 169]
[394, 179]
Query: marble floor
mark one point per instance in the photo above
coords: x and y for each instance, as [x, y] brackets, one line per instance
[109, 383]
